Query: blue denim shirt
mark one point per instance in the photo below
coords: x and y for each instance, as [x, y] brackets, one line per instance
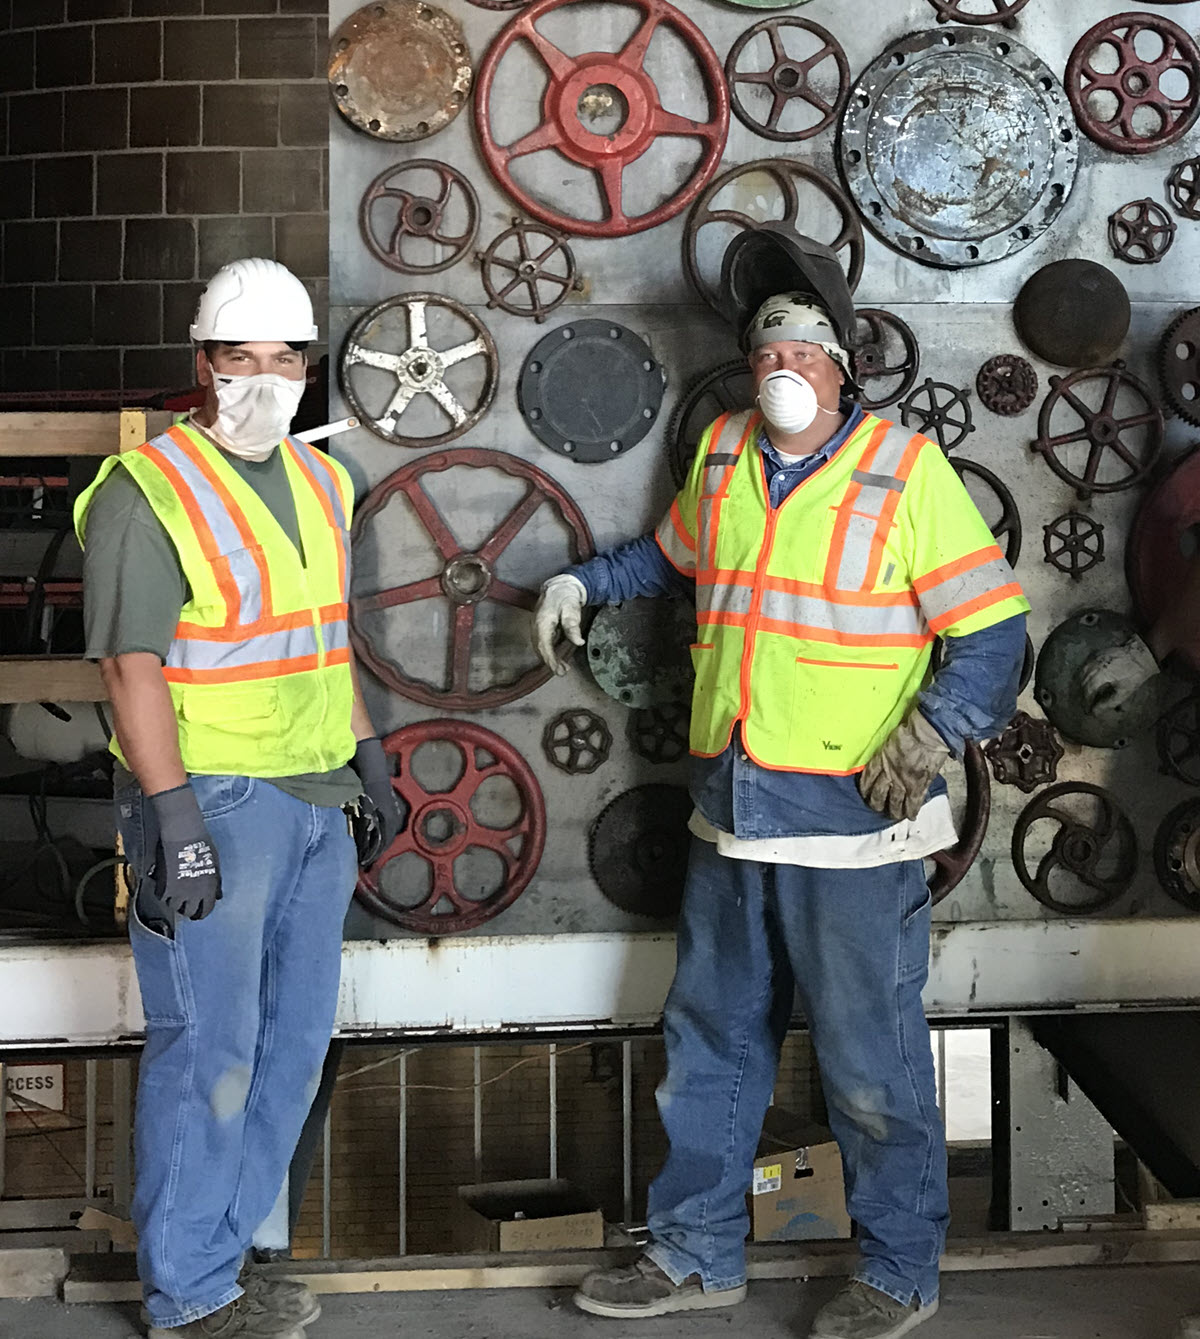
[973, 695]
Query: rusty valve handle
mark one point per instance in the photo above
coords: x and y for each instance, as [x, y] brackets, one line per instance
[608, 155]
[418, 216]
[528, 270]
[788, 79]
[872, 361]
[1003, 11]
[954, 862]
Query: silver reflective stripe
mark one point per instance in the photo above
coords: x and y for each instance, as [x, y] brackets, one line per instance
[195, 654]
[673, 546]
[245, 573]
[323, 477]
[856, 553]
[888, 481]
[891, 451]
[939, 600]
[723, 598]
[336, 634]
[219, 521]
[808, 611]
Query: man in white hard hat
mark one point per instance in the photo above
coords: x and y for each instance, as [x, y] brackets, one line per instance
[826, 550]
[216, 570]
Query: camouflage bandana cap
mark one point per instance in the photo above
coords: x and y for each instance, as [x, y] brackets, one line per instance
[794, 316]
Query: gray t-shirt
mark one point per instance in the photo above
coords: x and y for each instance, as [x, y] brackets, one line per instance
[135, 589]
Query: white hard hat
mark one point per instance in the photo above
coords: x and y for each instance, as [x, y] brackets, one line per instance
[254, 299]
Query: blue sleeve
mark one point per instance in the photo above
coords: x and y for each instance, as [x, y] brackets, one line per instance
[974, 693]
[637, 568]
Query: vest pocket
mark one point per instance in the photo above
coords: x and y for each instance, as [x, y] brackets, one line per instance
[244, 710]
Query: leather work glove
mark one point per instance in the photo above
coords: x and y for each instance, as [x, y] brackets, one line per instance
[385, 812]
[187, 874]
[897, 779]
[1111, 679]
[559, 612]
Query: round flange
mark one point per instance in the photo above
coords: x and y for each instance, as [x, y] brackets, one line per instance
[952, 864]
[1073, 543]
[1007, 385]
[1179, 740]
[618, 84]
[1177, 854]
[590, 390]
[638, 847]
[886, 358]
[1073, 313]
[1092, 855]
[1130, 108]
[958, 147]
[1026, 754]
[1162, 547]
[1183, 186]
[639, 654]
[1059, 691]
[727, 389]
[1114, 416]
[1006, 528]
[399, 69]
[577, 741]
[465, 577]
[447, 833]
[381, 367]
[660, 733]
[1141, 232]
[939, 411]
[542, 258]
[766, 186]
[1179, 366]
[995, 11]
[417, 217]
[818, 81]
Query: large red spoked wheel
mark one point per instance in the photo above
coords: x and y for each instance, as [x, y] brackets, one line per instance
[467, 577]
[951, 865]
[444, 826]
[608, 154]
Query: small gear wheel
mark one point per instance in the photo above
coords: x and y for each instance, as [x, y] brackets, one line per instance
[577, 741]
[940, 411]
[548, 262]
[1183, 186]
[1026, 755]
[1074, 543]
[1007, 385]
[660, 734]
[1177, 854]
[1141, 232]
[637, 849]
[1179, 366]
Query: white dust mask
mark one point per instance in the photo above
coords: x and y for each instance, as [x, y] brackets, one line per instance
[787, 401]
[254, 412]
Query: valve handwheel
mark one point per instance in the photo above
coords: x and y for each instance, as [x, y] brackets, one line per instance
[952, 864]
[444, 826]
[789, 79]
[467, 578]
[413, 215]
[608, 154]
[894, 370]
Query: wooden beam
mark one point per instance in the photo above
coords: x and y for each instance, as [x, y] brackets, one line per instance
[50, 679]
[79, 433]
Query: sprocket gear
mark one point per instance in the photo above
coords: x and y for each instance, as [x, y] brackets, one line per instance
[1177, 854]
[1007, 384]
[637, 850]
[1179, 366]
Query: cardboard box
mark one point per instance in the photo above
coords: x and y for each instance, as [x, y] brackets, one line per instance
[797, 1193]
[527, 1216]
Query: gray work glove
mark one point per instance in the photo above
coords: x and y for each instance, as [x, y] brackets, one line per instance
[559, 613]
[897, 779]
[1112, 679]
[387, 811]
[187, 874]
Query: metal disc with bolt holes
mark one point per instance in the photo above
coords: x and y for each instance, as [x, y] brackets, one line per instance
[639, 653]
[637, 850]
[959, 147]
[590, 390]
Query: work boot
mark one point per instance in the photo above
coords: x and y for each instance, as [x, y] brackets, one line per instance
[286, 1298]
[240, 1319]
[642, 1289]
[862, 1312]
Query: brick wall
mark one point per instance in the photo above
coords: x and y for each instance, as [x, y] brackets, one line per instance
[148, 142]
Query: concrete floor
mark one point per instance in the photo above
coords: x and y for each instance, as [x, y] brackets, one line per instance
[1130, 1302]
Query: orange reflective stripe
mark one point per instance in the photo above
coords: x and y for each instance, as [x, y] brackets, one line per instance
[238, 632]
[1011, 591]
[844, 664]
[267, 669]
[680, 529]
[957, 567]
[810, 634]
[869, 599]
[683, 571]
[841, 528]
[888, 513]
[326, 505]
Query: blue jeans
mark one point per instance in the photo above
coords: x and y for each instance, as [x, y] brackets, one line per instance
[854, 944]
[239, 1011]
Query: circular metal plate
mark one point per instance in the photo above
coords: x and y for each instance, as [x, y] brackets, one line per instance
[591, 390]
[1073, 313]
[399, 69]
[638, 651]
[959, 147]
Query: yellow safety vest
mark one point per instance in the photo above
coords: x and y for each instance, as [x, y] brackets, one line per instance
[817, 617]
[259, 668]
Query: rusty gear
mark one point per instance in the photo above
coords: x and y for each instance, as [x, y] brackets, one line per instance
[725, 390]
[1135, 85]
[877, 360]
[1177, 854]
[1179, 740]
[1002, 11]
[552, 264]
[660, 733]
[789, 79]
[637, 850]
[417, 216]
[1179, 366]
[1141, 232]
[1183, 186]
[1026, 755]
[577, 741]
[1074, 543]
[1006, 384]
[941, 411]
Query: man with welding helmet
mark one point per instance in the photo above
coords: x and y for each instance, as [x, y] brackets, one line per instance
[216, 571]
[826, 550]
